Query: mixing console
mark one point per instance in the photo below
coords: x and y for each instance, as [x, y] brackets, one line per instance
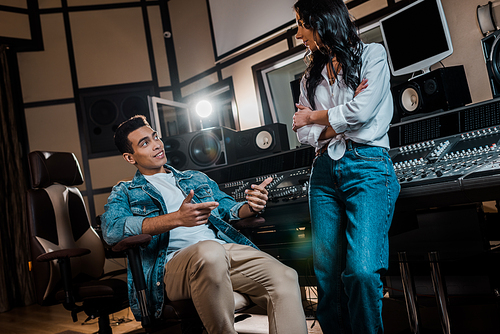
[445, 158]
[286, 187]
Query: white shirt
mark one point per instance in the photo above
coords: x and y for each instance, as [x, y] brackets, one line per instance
[364, 119]
[180, 237]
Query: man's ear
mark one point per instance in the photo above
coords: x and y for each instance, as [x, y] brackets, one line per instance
[129, 158]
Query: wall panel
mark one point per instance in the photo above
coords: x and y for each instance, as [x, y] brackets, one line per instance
[110, 47]
[191, 34]
[158, 41]
[45, 75]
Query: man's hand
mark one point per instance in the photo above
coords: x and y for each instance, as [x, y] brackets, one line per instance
[257, 196]
[189, 215]
[194, 214]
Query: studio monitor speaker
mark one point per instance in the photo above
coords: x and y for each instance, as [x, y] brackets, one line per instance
[491, 53]
[261, 141]
[442, 89]
[105, 108]
[200, 150]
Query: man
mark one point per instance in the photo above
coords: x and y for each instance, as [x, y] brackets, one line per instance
[194, 252]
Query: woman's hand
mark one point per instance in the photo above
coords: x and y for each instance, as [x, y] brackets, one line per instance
[301, 117]
[362, 86]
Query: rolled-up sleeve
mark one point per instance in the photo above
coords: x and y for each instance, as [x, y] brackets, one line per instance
[308, 134]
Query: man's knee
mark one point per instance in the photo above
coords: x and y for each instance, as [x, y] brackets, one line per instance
[286, 281]
[209, 256]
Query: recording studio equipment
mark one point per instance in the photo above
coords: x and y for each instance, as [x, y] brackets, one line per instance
[201, 150]
[443, 159]
[491, 53]
[286, 233]
[104, 108]
[416, 37]
[261, 141]
[442, 89]
[454, 166]
[486, 18]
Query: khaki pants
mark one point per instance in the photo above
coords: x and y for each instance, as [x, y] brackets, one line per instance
[208, 272]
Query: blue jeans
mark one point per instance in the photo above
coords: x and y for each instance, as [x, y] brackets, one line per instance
[351, 204]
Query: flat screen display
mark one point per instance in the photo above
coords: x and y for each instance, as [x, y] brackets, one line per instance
[416, 37]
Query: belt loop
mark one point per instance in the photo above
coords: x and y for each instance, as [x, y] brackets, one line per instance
[349, 145]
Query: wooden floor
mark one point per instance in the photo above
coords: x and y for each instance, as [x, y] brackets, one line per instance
[56, 320]
[466, 317]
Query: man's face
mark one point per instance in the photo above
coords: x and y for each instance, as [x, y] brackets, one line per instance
[149, 155]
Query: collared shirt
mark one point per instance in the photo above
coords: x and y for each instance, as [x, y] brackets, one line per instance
[364, 119]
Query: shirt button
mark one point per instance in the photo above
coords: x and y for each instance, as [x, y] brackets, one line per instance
[158, 283]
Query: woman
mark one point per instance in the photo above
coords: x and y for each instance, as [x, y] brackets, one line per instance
[353, 187]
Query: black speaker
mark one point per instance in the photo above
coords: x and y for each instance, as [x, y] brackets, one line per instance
[261, 141]
[491, 53]
[200, 150]
[442, 89]
[107, 107]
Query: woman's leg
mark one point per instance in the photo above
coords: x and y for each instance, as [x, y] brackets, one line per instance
[329, 245]
[369, 189]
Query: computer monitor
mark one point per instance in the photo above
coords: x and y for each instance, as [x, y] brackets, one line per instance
[416, 37]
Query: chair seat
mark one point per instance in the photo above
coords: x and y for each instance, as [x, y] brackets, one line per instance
[184, 309]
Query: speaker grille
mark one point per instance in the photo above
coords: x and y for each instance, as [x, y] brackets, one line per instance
[105, 108]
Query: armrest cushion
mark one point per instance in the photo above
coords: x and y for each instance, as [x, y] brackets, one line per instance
[250, 222]
[62, 253]
[130, 242]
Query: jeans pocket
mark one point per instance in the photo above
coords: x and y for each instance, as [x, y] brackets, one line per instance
[370, 153]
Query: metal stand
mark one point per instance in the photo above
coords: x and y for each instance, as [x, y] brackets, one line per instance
[439, 291]
[409, 292]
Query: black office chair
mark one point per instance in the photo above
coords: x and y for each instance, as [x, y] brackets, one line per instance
[177, 312]
[67, 254]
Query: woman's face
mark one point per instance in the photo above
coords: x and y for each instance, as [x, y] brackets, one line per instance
[308, 36]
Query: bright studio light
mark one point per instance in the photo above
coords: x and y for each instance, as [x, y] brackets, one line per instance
[203, 108]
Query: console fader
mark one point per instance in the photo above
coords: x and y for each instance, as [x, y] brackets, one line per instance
[447, 158]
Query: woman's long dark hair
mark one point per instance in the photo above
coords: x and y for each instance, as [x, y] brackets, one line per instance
[332, 22]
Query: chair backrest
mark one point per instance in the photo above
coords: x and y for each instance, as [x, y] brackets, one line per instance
[58, 220]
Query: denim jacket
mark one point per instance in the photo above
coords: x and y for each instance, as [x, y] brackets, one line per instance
[133, 201]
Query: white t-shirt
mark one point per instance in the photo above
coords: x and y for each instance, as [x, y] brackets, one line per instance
[182, 236]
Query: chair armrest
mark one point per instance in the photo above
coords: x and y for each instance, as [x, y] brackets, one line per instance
[63, 253]
[63, 257]
[250, 222]
[131, 242]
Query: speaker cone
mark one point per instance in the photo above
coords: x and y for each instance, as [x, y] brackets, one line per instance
[204, 149]
[430, 86]
[264, 140]
[171, 145]
[410, 99]
[103, 112]
[176, 159]
[134, 105]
